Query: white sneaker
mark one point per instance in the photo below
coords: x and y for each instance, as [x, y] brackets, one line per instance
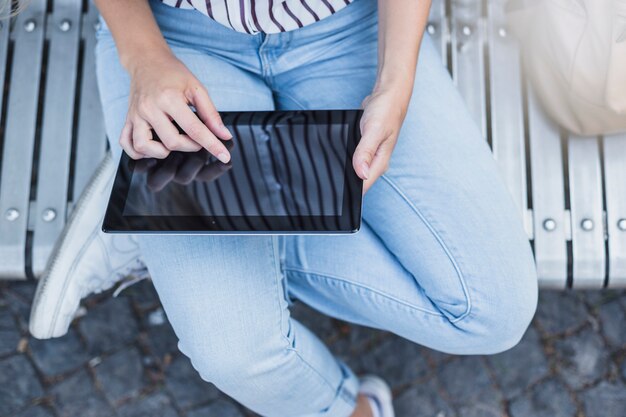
[85, 260]
[379, 395]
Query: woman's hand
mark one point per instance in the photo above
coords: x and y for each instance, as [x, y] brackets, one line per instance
[161, 90]
[383, 114]
[401, 26]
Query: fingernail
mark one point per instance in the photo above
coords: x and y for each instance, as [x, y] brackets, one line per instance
[224, 157]
[366, 169]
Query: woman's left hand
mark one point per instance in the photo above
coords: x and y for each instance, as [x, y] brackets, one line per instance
[383, 114]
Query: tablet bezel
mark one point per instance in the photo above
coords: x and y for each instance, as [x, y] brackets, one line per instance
[349, 222]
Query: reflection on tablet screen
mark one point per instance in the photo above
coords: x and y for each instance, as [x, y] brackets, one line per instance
[282, 164]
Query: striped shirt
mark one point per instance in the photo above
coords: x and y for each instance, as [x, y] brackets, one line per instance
[266, 16]
[287, 164]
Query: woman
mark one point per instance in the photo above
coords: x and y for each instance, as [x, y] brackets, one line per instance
[442, 258]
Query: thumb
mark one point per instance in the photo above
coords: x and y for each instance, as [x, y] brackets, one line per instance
[362, 160]
[365, 151]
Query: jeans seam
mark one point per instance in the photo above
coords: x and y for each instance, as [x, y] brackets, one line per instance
[365, 287]
[290, 97]
[442, 244]
[289, 346]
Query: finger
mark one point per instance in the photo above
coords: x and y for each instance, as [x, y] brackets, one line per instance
[208, 113]
[378, 167]
[143, 142]
[170, 136]
[197, 130]
[125, 141]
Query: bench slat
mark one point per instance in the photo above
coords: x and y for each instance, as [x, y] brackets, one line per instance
[506, 107]
[437, 28]
[548, 196]
[468, 59]
[585, 185]
[615, 186]
[56, 131]
[19, 141]
[91, 137]
[4, 49]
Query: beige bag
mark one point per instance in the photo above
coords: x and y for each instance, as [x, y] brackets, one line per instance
[574, 54]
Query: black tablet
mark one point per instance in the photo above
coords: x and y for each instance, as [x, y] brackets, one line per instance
[290, 172]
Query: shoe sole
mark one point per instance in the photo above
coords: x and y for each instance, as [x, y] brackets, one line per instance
[53, 284]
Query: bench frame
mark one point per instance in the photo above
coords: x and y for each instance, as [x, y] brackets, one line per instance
[570, 191]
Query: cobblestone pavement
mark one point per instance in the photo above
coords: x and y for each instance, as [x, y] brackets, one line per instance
[120, 359]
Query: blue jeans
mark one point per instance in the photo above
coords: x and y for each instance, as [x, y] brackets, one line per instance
[442, 258]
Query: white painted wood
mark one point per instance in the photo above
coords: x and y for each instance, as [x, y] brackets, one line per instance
[467, 36]
[91, 136]
[63, 31]
[506, 104]
[19, 140]
[615, 186]
[548, 197]
[585, 189]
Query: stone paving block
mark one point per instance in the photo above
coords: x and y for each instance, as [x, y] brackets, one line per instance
[622, 298]
[582, 358]
[437, 357]
[25, 289]
[613, 320]
[36, 411]
[6, 316]
[143, 294]
[521, 366]
[121, 375]
[422, 400]
[470, 388]
[320, 324]
[186, 386]
[560, 311]
[546, 399]
[154, 405]
[9, 339]
[20, 307]
[352, 340]
[109, 326]
[595, 298]
[219, 408]
[77, 396]
[59, 355]
[396, 360]
[481, 409]
[605, 400]
[161, 340]
[18, 384]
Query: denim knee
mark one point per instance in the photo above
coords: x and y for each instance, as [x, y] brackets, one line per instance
[500, 305]
[267, 377]
[501, 313]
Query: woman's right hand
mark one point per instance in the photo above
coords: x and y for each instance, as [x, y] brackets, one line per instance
[161, 90]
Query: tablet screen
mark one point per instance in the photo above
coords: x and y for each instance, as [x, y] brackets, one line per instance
[289, 171]
[281, 165]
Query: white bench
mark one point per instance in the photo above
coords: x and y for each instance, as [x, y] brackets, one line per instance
[571, 192]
